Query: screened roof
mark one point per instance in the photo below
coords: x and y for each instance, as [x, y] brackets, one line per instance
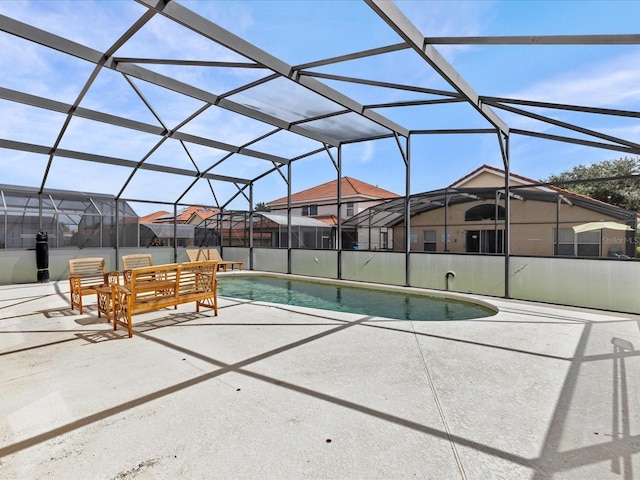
[201, 102]
[296, 220]
[391, 212]
[163, 230]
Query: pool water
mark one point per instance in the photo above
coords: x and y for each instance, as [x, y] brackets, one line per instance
[341, 298]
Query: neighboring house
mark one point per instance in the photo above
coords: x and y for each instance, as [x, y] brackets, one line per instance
[186, 216]
[320, 203]
[157, 229]
[469, 216]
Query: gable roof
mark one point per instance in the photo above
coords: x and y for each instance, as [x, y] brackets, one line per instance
[391, 212]
[488, 171]
[185, 215]
[201, 213]
[351, 187]
[519, 180]
[152, 217]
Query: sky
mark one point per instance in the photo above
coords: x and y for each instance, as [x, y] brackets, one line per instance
[298, 32]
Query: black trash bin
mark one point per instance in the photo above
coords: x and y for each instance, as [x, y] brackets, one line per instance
[42, 256]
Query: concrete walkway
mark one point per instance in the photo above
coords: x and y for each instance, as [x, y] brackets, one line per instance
[274, 392]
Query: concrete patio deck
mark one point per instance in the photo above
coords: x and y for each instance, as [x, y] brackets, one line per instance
[276, 392]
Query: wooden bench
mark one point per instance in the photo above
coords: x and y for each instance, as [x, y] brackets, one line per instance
[156, 287]
[87, 274]
[200, 254]
[136, 260]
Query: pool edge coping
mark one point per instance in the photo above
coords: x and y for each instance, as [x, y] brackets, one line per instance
[463, 297]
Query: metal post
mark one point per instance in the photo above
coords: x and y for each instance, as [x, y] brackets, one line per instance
[251, 226]
[339, 230]
[407, 213]
[496, 215]
[117, 225]
[357, 235]
[446, 219]
[507, 218]
[5, 238]
[289, 236]
[556, 247]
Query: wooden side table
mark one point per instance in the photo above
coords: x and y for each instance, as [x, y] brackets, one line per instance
[104, 301]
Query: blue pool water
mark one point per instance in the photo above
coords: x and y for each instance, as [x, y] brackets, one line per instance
[341, 298]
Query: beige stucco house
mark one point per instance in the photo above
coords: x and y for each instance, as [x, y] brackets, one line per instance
[469, 216]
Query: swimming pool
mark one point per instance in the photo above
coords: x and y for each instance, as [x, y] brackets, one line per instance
[342, 297]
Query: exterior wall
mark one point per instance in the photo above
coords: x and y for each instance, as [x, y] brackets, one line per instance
[359, 204]
[19, 266]
[533, 224]
[371, 239]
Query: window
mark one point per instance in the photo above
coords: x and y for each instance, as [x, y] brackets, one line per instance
[486, 211]
[309, 210]
[384, 240]
[429, 240]
[585, 244]
[484, 241]
[350, 209]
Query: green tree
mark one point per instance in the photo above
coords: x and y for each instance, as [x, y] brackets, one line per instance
[262, 207]
[622, 188]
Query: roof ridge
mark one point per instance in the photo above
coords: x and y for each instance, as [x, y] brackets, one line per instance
[494, 170]
[358, 187]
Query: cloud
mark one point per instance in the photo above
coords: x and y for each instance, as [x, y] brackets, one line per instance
[613, 83]
[448, 18]
[367, 152]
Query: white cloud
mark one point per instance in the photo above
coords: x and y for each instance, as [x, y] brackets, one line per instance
[448, 18]
[613, 83]
[367, 152]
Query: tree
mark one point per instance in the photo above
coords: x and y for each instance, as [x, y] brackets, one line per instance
[262, 207]
[622, 187]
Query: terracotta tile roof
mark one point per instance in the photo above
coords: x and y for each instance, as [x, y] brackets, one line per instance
[351, 187]
[187, 213]
[328, 219]
[152, 217]
[200, 212]
[183, 217]
[204, 214]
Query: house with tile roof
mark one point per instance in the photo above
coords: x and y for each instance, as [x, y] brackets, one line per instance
[156, 229]
[320, 203]
[186, 216]
[469, 215]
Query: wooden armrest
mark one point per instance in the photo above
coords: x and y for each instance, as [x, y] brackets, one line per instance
[113, 277]
[120, 288]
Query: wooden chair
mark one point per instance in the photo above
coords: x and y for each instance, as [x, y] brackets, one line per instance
[137, 260]
[212, 254]
[87, 274]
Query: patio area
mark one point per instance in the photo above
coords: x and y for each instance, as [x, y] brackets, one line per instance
[277, 392]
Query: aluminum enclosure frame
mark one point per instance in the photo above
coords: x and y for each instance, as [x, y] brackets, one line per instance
[366, 120]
